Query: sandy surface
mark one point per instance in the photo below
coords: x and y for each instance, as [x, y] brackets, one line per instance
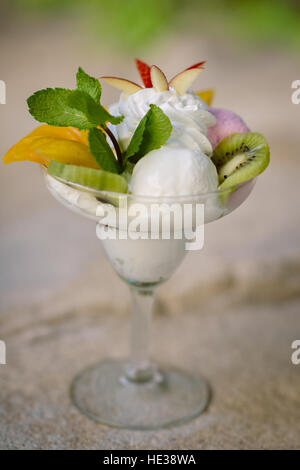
[244, 352]
[230, 312]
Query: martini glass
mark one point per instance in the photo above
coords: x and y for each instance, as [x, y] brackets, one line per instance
[134, 393]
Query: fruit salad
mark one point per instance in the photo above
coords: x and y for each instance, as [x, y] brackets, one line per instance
[159, 139]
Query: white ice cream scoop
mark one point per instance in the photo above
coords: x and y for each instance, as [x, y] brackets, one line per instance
[171, 171]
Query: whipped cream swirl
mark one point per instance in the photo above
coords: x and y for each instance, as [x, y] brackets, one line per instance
[188, 115]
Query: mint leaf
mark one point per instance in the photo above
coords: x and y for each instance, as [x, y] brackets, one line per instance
[137, 138]
[102, 151]
[157, 130]
[108, 117]
[82, 102]
[152, 133]
[88, 84]
[62, 107]
[52, 107]
[96, 114]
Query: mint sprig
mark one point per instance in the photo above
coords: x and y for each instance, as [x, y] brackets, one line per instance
[52, 107]
[81, 108]
[152, 133]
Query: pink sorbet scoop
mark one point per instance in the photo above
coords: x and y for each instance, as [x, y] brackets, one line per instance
[227, 123]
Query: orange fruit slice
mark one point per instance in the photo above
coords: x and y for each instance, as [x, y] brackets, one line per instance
[206, 95]
[68, 133]
[45, 143]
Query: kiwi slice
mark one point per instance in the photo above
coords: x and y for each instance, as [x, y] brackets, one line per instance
[240, 157]
[89, 177]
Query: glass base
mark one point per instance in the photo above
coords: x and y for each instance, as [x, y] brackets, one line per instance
[105, 394]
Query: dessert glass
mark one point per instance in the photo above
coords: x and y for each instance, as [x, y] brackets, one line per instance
[134, 393]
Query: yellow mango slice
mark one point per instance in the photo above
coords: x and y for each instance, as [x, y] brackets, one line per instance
[43, 149]
[45, 143]
[206, 95]
[68, 133]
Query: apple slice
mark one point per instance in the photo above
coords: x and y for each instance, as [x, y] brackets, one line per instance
[158, 79]
[183, 80]
[196, 66]
[144, 71]
[126, 86]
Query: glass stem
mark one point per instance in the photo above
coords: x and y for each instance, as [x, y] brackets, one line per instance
[139, 368]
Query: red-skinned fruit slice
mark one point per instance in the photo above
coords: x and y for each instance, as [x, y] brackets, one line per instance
[158, 78]
[144, 71]
[196, 66]
[183, 80]
[122, 84]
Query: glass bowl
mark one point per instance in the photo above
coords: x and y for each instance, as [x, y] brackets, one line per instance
[134, 393]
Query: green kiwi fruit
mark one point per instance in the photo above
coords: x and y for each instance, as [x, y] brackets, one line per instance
[240, 157]
[89, 177]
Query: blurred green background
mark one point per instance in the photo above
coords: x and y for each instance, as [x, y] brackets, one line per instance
[136, 24]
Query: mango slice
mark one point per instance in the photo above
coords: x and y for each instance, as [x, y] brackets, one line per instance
[68, 133]
[45, 143]
[206, 95]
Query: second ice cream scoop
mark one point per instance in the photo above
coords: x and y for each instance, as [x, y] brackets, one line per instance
[227, 123]
[172, 171]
